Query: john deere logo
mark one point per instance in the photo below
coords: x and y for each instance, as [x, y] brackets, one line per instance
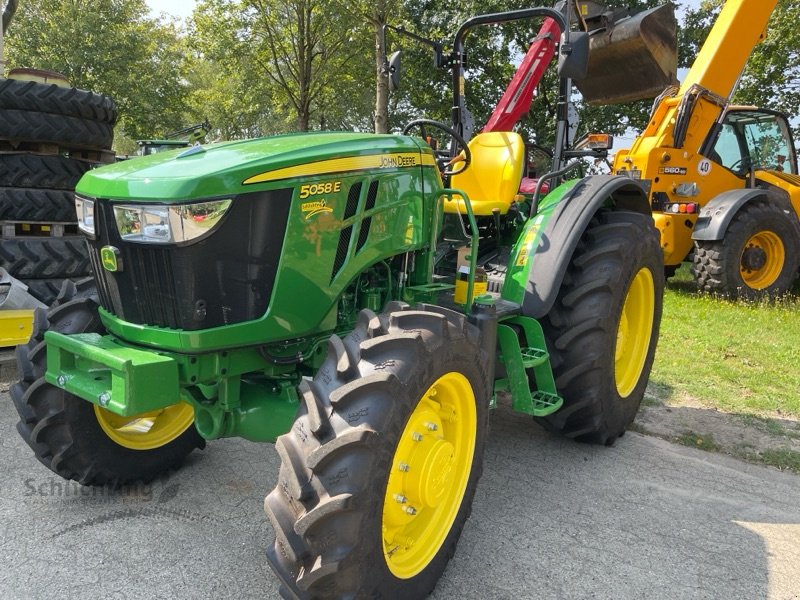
[111, 259]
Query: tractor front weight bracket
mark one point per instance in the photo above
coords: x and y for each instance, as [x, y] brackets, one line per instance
[129, 381]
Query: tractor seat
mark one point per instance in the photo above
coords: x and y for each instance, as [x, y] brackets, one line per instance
[492, 178]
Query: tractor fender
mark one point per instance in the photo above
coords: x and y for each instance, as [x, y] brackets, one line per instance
[569, 219]
[714, 217]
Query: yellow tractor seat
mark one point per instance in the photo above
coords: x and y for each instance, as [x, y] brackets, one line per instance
[492, 178]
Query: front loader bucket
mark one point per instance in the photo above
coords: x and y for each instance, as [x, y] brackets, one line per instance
[634, 59]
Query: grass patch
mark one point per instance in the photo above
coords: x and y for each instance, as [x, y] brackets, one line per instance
[782, 459]
[704, 442]
[740, 357]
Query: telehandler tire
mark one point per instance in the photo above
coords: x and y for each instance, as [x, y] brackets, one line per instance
[759, 255]
[77, 439]
[603, 329]
[380, 468]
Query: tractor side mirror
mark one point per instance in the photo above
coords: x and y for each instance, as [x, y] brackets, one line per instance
[573, 60]
[394, 72]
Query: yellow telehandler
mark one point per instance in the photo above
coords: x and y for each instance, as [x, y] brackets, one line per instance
[724, 181]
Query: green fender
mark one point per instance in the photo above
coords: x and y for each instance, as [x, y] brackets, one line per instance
[534, 283]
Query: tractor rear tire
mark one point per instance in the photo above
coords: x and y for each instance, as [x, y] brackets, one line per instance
[45, 257]
[32, 126]
[380, 468]
[54, 99]
[603, 329]
[31, 204]
[48, 172]
[761, 236]
[64, 431]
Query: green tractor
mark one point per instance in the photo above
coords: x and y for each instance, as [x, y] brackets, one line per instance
[303, 290]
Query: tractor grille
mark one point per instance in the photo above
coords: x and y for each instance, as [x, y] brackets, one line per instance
[220, 279]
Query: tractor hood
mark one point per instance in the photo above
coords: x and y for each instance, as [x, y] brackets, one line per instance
[236, 167]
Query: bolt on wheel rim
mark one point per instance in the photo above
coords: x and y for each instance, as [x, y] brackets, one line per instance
[146, 431]
[430, 470]
[634, 332]
[772, 257]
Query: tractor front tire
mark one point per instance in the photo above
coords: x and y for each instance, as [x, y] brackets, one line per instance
[380, 468]
[759, 255]
[77, 439]
[603, 328]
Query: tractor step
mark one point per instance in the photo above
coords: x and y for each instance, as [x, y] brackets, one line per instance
[527, 366]
[533, 357]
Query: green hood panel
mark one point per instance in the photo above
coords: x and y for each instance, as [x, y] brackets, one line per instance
[221, 169]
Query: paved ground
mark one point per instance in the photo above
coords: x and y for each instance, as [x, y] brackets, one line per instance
[552, 519]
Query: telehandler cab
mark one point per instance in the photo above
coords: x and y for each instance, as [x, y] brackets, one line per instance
[290, 289]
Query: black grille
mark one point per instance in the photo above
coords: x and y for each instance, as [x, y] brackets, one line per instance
[223, 278]
[363, 233]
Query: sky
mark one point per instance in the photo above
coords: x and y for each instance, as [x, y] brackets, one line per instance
[178, 8]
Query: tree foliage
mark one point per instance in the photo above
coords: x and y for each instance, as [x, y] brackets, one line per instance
[108, 46]
[258, 67]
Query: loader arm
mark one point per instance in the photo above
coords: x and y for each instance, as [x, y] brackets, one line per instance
[516, 100]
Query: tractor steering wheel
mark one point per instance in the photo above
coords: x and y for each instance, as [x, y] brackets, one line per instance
[462, 156]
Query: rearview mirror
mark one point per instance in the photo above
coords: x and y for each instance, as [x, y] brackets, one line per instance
[573, 60]
[394, 72]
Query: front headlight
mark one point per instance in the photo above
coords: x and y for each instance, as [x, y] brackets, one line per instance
[85, 209]
[159, 224]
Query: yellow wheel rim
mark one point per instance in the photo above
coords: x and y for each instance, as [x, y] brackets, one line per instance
[635, 330]
[148, 430]
[762, 260]
[430, 470]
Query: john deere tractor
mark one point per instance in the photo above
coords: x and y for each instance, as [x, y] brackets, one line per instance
[303, 290]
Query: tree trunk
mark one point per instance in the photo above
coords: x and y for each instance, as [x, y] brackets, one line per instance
[381, 81]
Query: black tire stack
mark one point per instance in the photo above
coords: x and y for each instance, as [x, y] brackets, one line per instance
[49, 137]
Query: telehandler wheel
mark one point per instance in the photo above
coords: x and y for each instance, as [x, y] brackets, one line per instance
[74, 438]
[603, 329]
[759, 256]
[380, 468]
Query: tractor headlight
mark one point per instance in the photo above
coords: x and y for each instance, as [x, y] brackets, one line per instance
[159, 224]
[85, 209]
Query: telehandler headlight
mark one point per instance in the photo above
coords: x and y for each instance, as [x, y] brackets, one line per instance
[85, 209]
[158, 224]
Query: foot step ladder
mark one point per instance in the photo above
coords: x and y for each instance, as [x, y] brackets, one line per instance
[526, 367]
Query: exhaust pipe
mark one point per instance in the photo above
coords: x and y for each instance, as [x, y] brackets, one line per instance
[630, 58]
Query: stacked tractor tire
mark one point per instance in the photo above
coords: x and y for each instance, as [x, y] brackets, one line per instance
[50, 135]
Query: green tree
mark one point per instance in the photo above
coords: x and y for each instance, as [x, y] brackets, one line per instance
[107, 46]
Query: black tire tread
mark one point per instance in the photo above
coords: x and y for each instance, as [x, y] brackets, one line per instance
[54, 99]
[576, 332]
[32, 126]
[31, 204]
[715, 265]
[45, 257]
[48, 421]
[34, 171]
[314, 509]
